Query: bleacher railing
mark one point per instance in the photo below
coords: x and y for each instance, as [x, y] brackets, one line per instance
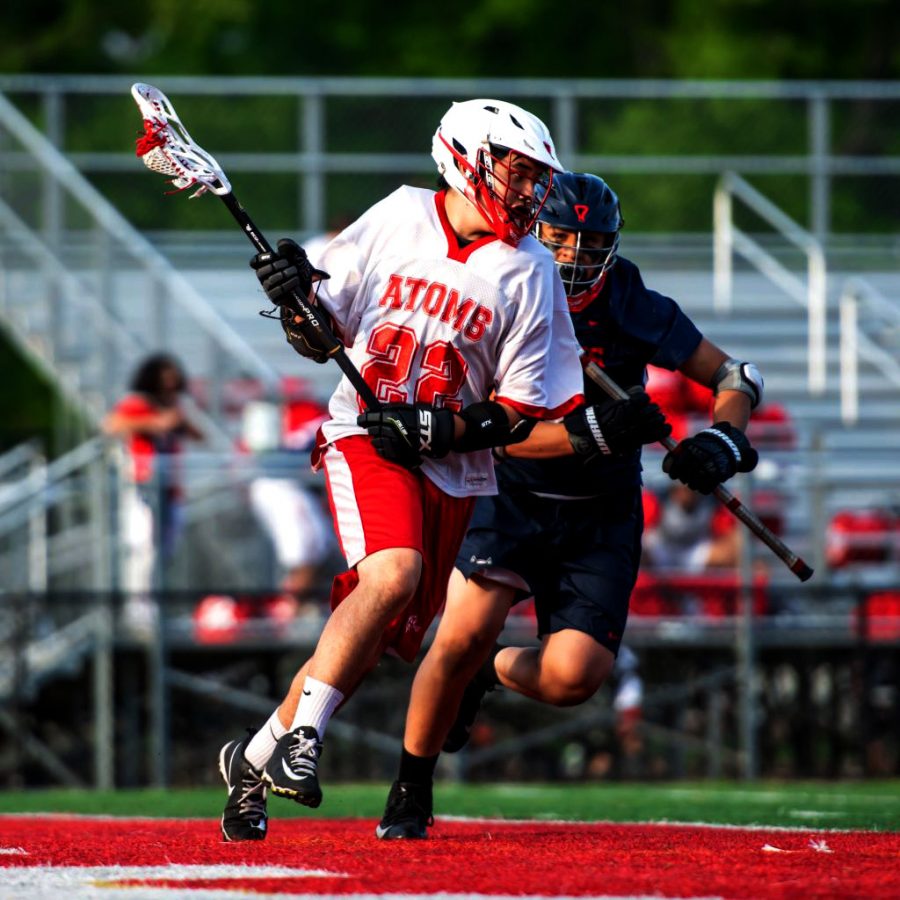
[866, 337]
[576, 112]
[810, 291]
[69, 317]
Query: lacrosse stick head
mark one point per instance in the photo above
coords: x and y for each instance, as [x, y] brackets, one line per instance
[167, 148]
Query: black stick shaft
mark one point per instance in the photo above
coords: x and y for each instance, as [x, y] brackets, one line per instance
[334, 347]
[723, 495]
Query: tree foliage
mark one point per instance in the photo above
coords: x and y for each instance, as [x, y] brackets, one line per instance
[810, 39]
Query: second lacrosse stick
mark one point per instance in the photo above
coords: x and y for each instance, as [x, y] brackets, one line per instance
[722, 494]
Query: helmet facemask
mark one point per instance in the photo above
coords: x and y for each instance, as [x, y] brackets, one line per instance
[509, 189]
[583, 262]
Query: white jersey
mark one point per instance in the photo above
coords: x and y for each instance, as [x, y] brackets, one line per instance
[427, 321]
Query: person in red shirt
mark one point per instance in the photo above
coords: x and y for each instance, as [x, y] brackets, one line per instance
[153, 425]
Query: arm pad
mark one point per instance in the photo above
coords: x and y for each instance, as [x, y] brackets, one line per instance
[487, 425]
[734, 375]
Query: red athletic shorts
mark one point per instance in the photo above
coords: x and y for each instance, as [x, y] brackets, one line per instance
[378, 505]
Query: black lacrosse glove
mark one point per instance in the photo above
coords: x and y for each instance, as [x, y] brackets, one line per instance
[404, 432]
[307, 340]
[618, 427]
[283, 273]
[710, 457]
[286, 271]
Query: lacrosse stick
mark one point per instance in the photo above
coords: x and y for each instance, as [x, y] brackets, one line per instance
[723, 495]
[167, 148]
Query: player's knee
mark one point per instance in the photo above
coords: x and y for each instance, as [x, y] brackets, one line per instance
[392, 584]
[456, 650]
[569, 682]
[570, 693]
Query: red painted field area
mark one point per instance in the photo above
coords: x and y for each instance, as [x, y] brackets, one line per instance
[82, 857]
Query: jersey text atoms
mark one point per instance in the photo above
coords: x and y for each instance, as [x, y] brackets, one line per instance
[439, 301]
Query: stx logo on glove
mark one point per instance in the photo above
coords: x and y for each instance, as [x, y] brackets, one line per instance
[425, 431]
[404, 432]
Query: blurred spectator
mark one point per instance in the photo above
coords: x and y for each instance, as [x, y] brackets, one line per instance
[688, 531]
[862, 536]
[772, 428]
[879, 617]
[225, 618]
[691, 552]
[628, 704]
[292, 516]
[153, 425]
[604, 754]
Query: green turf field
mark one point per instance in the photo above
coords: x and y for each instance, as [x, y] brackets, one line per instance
[871, 805]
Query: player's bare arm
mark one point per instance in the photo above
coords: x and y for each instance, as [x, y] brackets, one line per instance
[613, 428]
[730, 405]
[546, 441]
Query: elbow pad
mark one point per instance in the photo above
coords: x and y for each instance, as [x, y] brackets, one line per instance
[734, 375]
[487, 425]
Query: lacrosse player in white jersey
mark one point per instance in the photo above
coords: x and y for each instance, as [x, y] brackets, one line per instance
[457, 320]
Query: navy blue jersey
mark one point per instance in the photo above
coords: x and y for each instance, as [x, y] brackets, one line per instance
[624, 329]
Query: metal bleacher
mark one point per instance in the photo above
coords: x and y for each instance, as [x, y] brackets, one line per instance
[84, 294]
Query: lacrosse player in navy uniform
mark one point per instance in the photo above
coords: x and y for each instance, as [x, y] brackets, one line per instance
[566, 525]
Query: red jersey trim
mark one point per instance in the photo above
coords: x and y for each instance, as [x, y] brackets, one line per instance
[454, 251]
[318, 450]
[541, 412]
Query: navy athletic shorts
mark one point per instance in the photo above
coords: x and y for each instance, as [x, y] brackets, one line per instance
[579, 557]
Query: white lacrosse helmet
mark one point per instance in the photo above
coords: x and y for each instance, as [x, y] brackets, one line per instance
[472, 137]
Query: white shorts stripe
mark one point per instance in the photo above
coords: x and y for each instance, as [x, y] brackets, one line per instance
[348, 522]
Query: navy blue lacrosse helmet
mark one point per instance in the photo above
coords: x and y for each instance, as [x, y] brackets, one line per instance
[579, 223]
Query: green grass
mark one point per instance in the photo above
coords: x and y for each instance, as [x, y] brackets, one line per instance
[871, 805]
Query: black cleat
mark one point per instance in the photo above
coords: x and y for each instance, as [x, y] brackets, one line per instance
[407, 813]
[461, 729]
[245, 817]
[291, 772]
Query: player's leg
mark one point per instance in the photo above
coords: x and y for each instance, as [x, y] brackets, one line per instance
[568, 668]
[473, 617]
[378, 512]
[283, 754]
[243, 761]
[386, 583]
[347, 649]
[474, 614]
[581, 604]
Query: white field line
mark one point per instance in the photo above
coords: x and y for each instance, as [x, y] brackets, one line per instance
[104, 883]
[487, 820]
[667, 823]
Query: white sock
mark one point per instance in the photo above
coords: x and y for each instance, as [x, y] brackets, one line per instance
[259, 751]
[317, 704]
